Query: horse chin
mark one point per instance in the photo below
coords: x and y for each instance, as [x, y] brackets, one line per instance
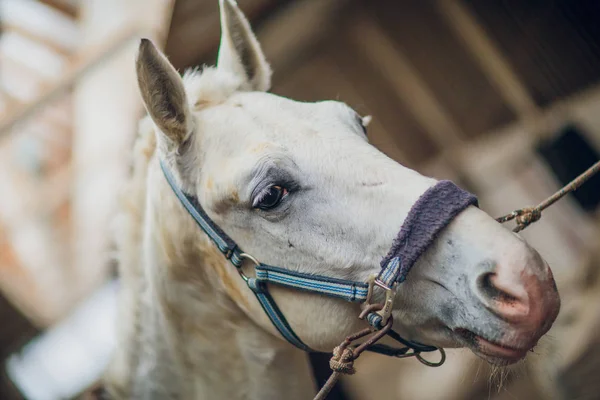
[495, 353]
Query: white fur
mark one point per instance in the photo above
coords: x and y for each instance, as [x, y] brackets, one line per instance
[209, 86]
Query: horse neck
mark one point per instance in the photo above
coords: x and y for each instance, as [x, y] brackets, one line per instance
[191, 340]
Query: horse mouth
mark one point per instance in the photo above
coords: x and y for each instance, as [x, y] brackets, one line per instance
[493, 352]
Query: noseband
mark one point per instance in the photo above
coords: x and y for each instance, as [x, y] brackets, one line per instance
[433, 211]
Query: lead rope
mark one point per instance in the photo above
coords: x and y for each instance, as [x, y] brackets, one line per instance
[528, 215]
[342, 361]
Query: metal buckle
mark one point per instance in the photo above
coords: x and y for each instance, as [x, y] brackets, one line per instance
[390, 293]
[252, 259]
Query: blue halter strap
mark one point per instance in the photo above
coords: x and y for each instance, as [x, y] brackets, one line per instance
[394, 270]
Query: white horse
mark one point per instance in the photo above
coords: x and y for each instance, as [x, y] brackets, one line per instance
[296, 185]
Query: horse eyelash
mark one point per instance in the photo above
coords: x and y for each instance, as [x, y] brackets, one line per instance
[260, 196]
[264, 191]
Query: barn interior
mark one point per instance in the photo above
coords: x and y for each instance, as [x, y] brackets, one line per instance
[501, 97]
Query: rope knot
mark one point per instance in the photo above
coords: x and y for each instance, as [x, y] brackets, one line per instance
[528, 216]
[342, 361]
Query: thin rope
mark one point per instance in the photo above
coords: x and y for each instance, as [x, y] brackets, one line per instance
[528, 215]
[342, 360]
[333, 378]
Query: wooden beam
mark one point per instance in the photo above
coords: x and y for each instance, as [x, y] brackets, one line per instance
[58, 48]
[62, 6]
[412, 90]
[407, 82]
[50, 266]
[17, 74]
[489, 57]
[393, 129]
[44, 22]
[500, 149]
[296, 27]
[84, 63]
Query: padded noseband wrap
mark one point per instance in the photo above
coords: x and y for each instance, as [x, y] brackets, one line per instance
[434, 210]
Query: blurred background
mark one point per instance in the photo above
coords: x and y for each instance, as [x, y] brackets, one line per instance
[502, 97]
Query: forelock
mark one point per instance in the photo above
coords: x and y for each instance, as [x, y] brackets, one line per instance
[209, 86]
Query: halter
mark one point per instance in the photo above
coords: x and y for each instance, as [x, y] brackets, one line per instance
[433, 211]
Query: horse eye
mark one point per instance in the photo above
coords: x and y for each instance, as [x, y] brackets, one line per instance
[270, 198]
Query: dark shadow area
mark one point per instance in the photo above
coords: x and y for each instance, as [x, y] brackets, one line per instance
[568, 155]
[321, 371]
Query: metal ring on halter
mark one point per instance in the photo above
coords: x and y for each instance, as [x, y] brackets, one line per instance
[247, 257]
[429, 363]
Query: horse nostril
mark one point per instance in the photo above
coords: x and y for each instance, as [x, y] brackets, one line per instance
[502, 298]
[491, 291]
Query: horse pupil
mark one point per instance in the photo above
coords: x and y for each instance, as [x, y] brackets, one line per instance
[272, 197]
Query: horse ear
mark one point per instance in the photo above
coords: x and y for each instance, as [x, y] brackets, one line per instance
[163, 93]
[239, 51]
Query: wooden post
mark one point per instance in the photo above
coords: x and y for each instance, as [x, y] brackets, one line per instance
[294, 28]
[107, 108]
[85, 63]
[411, 88]
[490, 59]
